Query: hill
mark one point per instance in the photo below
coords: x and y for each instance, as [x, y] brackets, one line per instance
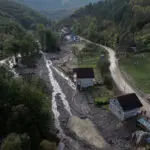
[15, 19]
[119, 24]
[53, 5]
[57, 9]
[57, 14]
[21, 14]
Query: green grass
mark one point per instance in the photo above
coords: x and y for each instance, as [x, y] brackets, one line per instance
[101, 101]
[140, 72]
[101, 95]
[89, 56]
[88, 62]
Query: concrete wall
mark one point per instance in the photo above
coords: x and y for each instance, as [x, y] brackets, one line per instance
[86, 82]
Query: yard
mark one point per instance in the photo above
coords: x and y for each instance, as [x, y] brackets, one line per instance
[101, 95]
[89, 56]
[138, 67]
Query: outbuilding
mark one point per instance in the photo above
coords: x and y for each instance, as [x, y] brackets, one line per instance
[83, 77]
[125, 106]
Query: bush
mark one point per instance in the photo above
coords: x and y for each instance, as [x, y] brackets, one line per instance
[47, 145]
[108, 81]
[105, 73]
[24, 108]
[101, 101]
[16, 142]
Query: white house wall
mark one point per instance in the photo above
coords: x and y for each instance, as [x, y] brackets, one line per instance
[86, 82]
[131, 113]
[115, 108]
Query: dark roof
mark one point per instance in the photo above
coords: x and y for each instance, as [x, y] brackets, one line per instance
[129, 101]
[84, 72]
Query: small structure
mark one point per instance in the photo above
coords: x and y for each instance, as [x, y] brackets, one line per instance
[125, 106]
[83, 77]
[144, 123]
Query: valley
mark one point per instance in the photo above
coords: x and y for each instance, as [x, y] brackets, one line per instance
[79, 81]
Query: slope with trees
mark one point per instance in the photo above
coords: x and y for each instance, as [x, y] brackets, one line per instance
[27, 17]
[26, 116]
[55, 5]
[119, 24]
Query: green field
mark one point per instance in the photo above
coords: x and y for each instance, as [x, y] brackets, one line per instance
[89, 56]
[138, 67]
[88, 62]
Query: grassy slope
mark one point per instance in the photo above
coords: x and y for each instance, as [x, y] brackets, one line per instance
[138, 66]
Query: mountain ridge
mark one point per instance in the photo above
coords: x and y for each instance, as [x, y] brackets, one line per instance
[53, 5]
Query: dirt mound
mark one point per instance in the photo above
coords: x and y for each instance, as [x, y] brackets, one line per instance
[86, 131]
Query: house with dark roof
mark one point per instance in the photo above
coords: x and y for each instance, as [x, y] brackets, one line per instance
[125, 106]
[83, 77]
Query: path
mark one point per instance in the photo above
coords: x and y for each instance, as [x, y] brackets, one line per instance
[118, 78]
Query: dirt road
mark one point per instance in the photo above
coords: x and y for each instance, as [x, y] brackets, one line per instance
[118, 78]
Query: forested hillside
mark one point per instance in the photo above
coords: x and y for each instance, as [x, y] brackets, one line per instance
[55, 4]
[25, 103]
[15, 19]
[12, 11]
[121, 24]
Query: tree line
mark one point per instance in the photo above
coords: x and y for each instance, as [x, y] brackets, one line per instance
[26, 115]
[25, 104]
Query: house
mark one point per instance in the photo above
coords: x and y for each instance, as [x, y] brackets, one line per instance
[125, 106]
[83, 77]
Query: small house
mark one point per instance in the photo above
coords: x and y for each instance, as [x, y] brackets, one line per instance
[125, 106]
[83, 77]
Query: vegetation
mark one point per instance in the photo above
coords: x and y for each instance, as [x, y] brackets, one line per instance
[48, 40]
[55, 5]
[103, 66]
[101, 101]
[92, 56]
[120, 24]
[14, 20]
[25, 16]
[16, 142]
[101, 95]
[26, 117]
[137, 66]
[89, 56]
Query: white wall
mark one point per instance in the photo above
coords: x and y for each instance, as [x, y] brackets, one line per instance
[116, 109]
[131, 113]
[86, 82]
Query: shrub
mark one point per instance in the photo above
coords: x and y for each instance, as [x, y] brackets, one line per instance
[101, 101]
[16, 142]
[47, 145]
